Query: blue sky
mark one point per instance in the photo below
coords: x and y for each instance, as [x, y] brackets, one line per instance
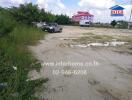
[123, 2]
[70, 2]
[66, 2]
[99, 8]
[33, 1]
[74, 2]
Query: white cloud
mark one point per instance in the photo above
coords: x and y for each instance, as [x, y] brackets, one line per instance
[127, 11]
[8, 3]
[97, 4]
[100, 10]
[55, 6]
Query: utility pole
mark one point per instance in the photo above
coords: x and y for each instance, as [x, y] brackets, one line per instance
[130, 22]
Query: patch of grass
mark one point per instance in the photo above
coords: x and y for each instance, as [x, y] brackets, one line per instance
[7, 24]
[14, 53]
[25, 35]
[88, 34]
[93, 38]
[130, 48]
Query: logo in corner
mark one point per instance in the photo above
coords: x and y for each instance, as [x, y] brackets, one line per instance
[117, 11]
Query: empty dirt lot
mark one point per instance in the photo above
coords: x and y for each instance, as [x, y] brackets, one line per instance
[84, 73]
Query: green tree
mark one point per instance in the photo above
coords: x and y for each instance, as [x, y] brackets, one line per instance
[122, 24]
[7, 23]
[26, 13]
[62, 19]
[113, 23]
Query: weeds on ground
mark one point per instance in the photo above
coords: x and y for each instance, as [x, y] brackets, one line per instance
[15, 63]
[89, 38]
[93, 38]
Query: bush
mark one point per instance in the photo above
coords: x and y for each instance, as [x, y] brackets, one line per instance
[14, 52]
[113, 23]
[29, 13]
[101, 25]
[14, 83]
[62, 19]
[6, 24]
[26, 13]
[122, 24]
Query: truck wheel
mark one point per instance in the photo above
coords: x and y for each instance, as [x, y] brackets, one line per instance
[53, 31]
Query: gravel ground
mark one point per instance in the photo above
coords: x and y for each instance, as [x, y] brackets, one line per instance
[93, 73]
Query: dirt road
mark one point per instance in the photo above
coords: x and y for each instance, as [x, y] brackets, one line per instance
[91, 73]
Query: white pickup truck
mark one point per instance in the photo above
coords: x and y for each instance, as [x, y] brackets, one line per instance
[85, 21]
[52, 28]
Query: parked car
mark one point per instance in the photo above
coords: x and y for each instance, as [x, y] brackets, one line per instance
[52, 28]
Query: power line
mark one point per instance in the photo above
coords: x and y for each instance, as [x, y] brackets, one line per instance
[129, 23]
[130, 16]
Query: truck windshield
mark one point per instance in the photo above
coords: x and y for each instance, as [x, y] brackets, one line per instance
[52, 24]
